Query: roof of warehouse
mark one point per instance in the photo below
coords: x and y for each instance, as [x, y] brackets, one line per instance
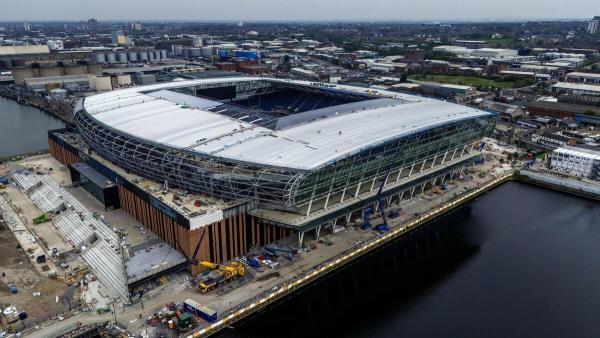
[580, 74]
[20, 50]
[305, 146]
[577, 86]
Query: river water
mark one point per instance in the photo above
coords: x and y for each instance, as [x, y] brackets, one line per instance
[519, 261]
[23, 128]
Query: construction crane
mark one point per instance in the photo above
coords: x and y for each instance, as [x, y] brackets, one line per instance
[224, 274]
[366, 221]
[193, 260]
[383, 226]
[12, 173]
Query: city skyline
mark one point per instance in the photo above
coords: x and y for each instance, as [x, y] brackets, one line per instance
[308, 10]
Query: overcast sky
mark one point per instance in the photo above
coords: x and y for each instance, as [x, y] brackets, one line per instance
[201, 10]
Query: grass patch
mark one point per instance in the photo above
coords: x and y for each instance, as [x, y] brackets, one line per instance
[473, 81]
[500, 43]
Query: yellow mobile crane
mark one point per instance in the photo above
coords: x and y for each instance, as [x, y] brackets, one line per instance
[224, 274]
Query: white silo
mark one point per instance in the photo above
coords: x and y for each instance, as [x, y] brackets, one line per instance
[143, 56]
[206, 51]
[124, 80]
[132, 56]
[100, 58]
[122, 57]
[195, 52]
[111, 58]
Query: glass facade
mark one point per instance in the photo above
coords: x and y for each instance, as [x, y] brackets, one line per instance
[371, 164]
[274, 187]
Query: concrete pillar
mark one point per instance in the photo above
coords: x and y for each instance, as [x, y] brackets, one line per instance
[327, 199]
[357, 190]
[399, 174]
[433, 163]
[300, 237]
[411, 169]
[454, 153]
[373, 183]
[444, 159]
[317, 232]
[423, 165]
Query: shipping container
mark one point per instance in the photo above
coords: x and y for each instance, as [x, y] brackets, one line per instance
[248, 54]
[200, 310]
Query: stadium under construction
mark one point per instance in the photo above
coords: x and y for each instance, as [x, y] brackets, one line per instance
[238, 163]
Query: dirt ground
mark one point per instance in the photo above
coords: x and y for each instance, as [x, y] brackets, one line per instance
[20, 272]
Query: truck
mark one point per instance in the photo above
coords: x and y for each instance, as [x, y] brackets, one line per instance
[199, 310]
[219, 275]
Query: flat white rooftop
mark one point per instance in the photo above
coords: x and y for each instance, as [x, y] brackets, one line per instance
[165, 120]
[577, 86]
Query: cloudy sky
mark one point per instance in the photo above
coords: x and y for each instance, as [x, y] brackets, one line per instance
[201, 10]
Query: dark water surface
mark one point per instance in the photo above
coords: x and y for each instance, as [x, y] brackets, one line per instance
[519, 261]
[23, 128]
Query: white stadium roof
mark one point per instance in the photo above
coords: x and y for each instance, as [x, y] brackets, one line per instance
[164, 119]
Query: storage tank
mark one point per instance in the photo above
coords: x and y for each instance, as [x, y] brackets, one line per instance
[207, 52]
[151, 56]
[100, 58]
[111, 58]
[102, 83]
[58, 94]
[132, 56]
[143, 56]
[163, 54]
[195, 52]
[178, 50]
[157, 55]
[124, 80]
[122, 57]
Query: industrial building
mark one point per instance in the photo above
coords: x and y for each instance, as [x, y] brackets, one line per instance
[236, 163]
[578, 77]
[576, 88]
[577, 162]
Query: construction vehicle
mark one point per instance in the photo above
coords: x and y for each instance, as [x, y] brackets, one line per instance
[220, 274]
[481, 146]
[275, 251]
[394, 213]
[253, 262]
[41, 219]
[4, 179]
[185, 322]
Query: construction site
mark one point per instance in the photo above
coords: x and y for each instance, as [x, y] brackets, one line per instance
[171, 208]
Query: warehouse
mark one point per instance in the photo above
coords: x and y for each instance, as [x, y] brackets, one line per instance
[589, 78]
[252, 160]
[576, 88]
